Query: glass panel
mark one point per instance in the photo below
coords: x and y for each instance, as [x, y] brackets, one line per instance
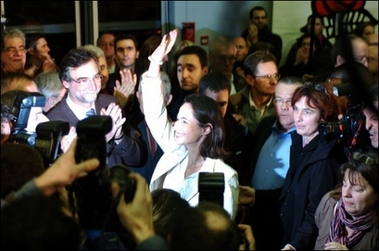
[39, 12]
[123, 11]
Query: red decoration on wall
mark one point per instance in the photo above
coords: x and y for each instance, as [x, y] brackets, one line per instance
[327, 7]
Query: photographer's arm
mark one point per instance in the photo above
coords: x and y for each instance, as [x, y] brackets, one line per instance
[137, 215]
[64, 171]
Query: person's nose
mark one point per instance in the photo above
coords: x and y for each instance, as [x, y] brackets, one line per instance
[368, 124]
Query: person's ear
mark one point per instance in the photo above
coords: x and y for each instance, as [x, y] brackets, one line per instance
[207, 130]
[169, 99]
[340, 60]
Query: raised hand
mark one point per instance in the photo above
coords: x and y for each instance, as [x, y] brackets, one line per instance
[123, 90]
[168, 41]
[115, 112]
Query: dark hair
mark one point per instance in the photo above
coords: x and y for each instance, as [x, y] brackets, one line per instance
[299, 41]
[343, 45]
[196, 50]
[215, 82]
[104, 33]
[31, 39]
[304, 28]
[147, 48]
[167, 206]
[6, 113]
[38, 223]
[318, 98]
[126, 37]
[365, 165]
[193, 230]
[262, 46]
[73, 59]
[260, 8]
[360, 28]
[206, 111]
[252, 61]
[19, 164]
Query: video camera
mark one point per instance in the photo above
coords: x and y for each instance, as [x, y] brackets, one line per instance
[350, 128]
[95, 203]
[47, 135]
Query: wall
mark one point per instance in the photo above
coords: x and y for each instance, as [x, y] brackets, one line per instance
[287, 22]
[230, 18]
[214, 18]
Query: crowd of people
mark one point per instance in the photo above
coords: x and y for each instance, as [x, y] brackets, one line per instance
[295, 145]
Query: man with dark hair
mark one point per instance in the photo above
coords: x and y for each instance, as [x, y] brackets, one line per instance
[19, 164]
[126, 54]
[258, 31]
[38, 223]
[237, 136]
[192, 64]
[80, 74]
[255, 100]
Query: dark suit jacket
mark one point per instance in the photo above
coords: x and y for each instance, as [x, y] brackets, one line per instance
[263, 131]
[137, 120]
[239, 82]
[128, 152]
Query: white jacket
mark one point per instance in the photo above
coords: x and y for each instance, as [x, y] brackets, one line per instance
[170, 169]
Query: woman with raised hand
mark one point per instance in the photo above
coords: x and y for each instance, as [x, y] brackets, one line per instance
[194, 144]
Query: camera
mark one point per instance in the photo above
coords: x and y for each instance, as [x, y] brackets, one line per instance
[47, 135]
[350, 129]
[47, 140]
[212, 187]
[23, 102]
[95, 204]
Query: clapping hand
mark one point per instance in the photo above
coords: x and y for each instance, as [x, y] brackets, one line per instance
[123, 90]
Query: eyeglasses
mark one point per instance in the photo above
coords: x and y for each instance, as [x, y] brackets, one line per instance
[85, 81]
[362, 157]
[14, 50]
[280, 102]
[275, 76]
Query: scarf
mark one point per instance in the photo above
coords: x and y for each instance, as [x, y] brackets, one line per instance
[343, 219]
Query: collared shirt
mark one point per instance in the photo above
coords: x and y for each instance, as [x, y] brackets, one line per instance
[273, 161]
[79, 111]
[254, 108]
[233, 89]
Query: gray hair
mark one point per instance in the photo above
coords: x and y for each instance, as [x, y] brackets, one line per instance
[49, 84]
[95, 49]
[11, 33]
[166, 82]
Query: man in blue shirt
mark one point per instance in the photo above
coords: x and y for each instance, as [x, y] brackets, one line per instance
[268, 167]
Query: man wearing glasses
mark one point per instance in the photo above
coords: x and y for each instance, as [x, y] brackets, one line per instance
[255, 100]
[13, 52]
[264, 178]
[80, 74]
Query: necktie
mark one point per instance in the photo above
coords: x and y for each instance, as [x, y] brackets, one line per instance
[90, 112]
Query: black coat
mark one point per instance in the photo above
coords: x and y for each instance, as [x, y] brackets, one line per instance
[313, 172]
